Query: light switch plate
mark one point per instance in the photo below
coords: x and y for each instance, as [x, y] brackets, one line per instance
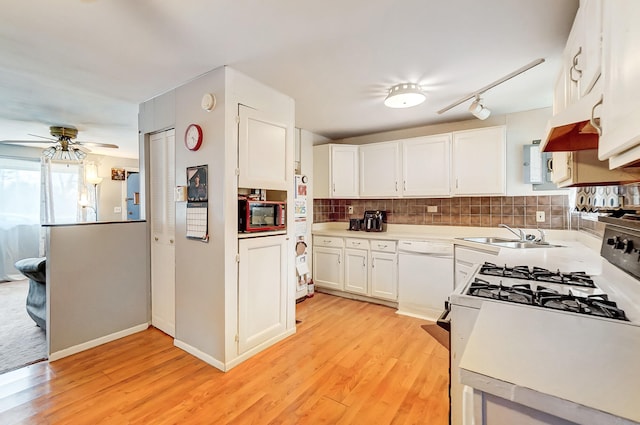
[117, 210]
[432, 208]
[540, 216]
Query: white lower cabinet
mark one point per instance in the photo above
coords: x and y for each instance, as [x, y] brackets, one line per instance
[328, 271]
[370, 268]
[356, 271]
[262, 290]
[384, 275]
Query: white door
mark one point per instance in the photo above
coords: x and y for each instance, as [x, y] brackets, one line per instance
[384, 275]
[380, 169]
[425, 166]
[327, 267]
[262, 290]
[262, 151]
[162, 181]
[356, 266]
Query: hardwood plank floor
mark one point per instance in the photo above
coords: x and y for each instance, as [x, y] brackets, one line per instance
[350, 362]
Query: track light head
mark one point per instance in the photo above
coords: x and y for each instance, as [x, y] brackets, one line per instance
[478, 109]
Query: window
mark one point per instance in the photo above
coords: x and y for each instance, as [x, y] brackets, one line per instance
[19, 191]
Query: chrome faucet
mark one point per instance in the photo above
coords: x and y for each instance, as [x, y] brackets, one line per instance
[520, 233]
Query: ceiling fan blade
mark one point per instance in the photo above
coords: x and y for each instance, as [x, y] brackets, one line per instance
[43, 137]
[19, 142]
[82, 148]
[97, 145]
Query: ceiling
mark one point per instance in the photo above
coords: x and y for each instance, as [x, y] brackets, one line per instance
[90, 63]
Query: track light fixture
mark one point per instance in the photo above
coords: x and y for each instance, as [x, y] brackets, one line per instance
[478, 109]
[404, 95]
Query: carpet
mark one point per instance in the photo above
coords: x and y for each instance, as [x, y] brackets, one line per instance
[22, 342]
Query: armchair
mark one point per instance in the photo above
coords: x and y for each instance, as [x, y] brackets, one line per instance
[35, 270]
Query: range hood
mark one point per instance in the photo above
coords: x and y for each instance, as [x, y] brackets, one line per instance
[571, 129]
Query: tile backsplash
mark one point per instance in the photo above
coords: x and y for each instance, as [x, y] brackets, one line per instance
[486, 211]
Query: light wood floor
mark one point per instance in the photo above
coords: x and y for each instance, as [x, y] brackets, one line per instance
[349, 363]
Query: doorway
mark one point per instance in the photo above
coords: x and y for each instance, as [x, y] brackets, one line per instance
[133, 195]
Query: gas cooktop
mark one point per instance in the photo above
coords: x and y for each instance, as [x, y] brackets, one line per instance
[538, 274]
[596, 304]
[568, 291]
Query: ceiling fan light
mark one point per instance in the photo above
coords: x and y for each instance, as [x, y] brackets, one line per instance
[56, 153]
[404, 95]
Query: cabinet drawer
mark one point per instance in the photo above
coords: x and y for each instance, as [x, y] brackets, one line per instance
[356, 243]
[383, 246]
[328, 241]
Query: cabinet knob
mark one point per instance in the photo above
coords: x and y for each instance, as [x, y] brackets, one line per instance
[156, 238]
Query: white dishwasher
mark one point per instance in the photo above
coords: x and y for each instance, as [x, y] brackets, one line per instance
[425, 277]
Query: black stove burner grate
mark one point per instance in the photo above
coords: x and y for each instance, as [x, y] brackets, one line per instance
[594, 305]
[538, 274]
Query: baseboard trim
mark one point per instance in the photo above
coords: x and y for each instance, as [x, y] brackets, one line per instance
[95, 342]
[246, 355]
[199, 354]
[225, 367]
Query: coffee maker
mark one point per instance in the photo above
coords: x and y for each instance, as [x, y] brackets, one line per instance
[375, 221]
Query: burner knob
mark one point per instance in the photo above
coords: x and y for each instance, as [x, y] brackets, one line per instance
[615, 242]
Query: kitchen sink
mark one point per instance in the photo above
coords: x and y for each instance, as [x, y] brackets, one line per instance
[511, 243]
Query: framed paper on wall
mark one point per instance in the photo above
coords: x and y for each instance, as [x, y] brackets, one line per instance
[197, 184]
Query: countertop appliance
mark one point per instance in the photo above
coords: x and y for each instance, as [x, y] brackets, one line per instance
[375, 221]
[261, 216]
[425, 275]
[609, 296]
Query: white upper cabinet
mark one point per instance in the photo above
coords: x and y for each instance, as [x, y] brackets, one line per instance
[263, 151]
[621, 75]
[380, 169]
[425, 166]
[335, 171]
[583, 52]
[479, 162]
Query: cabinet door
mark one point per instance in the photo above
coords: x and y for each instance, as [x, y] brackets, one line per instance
[479, 161]
[327, 268]
[384, 275]
[380, 169]
[582, 55]
[263, 151]
[561, 167]
[356, 270]
[262, 290]
[425, 166]
[620, 109]
[344, 171]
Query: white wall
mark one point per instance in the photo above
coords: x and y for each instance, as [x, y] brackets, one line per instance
[112, 192]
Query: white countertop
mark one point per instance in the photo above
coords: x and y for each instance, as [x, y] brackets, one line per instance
[578, 368]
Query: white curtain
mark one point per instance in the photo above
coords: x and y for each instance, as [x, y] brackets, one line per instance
[61, 188]
[19, 213]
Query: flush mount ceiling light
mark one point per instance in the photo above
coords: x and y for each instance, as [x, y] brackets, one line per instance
[478, 109]
[404, 95]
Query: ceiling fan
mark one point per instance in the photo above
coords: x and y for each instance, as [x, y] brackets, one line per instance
[65, 148]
